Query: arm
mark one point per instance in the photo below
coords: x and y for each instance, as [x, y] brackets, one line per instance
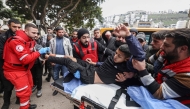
[156, 56]
[23, 55]
[75, 54]
[134, 45]
[104, 50]
[97, 64]
[135, 48]
[173, 87]
[57, 60]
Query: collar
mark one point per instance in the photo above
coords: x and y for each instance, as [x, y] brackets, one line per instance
[23, 35]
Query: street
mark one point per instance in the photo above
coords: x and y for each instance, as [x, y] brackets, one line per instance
[46, 101]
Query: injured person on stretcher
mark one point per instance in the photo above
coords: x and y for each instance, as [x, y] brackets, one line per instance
[120, 62]
[106, 73]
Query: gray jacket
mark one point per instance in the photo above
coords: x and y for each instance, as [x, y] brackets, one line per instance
[66, 45]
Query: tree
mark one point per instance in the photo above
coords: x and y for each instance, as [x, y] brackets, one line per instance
[4, 12]
[73, 13]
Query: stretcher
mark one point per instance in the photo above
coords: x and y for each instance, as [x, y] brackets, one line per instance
[58, 86]
[89, 97]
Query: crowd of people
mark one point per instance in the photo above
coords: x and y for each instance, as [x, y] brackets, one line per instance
[119, 56]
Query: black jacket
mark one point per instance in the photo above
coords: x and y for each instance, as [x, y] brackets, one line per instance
[3, 37]
[100, 54]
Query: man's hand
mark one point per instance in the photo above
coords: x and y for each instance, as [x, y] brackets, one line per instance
[115, 33]
[122, 31]
[139, 65]
[43, 62]
[46, 56]
[52, 64]
[158, 53]
[121, 77]
[52, 55]
[90, 61]
[44, 50]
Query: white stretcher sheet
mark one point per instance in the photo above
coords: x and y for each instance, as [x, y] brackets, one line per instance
[102, 94]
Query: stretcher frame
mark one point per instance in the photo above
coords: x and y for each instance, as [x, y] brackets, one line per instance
[86, 102]
[68, 96]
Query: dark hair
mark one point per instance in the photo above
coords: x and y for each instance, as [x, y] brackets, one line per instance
[160, 35]
[125, 49]
[96, 29]
[75, 30]
[180, 37]
[58, 28]
[50, 28]
[13, 20]
[30, 25]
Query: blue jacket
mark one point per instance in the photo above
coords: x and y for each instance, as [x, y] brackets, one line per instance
[136, 51]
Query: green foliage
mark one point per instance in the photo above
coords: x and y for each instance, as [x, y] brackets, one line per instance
[4, 12]
[73, 13]
[168, 18]
[88, 12]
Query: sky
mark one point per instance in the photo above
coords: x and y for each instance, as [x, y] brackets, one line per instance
[111, 7]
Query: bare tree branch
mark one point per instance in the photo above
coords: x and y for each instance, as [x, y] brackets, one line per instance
[71, 2]
[27, 4]
[32, 9]
[33, 6]
[59, 18]
[42, 19]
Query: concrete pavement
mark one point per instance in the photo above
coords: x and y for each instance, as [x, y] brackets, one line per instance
[46, 101]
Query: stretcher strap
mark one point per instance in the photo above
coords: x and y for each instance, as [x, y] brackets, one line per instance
[115, 99]
[131, 103]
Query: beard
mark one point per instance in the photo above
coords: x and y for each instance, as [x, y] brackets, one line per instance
[171, 56]
[85, 44]
[118, 43]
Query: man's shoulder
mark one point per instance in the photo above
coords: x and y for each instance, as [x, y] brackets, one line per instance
[5, 34]
[96, 42]
[145, 47]
[2, 35]
[15, 41]
[65, 38]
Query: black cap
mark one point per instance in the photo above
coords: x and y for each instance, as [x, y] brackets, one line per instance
[81, 32]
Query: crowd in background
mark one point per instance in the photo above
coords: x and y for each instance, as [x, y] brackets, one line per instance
[96, 49]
